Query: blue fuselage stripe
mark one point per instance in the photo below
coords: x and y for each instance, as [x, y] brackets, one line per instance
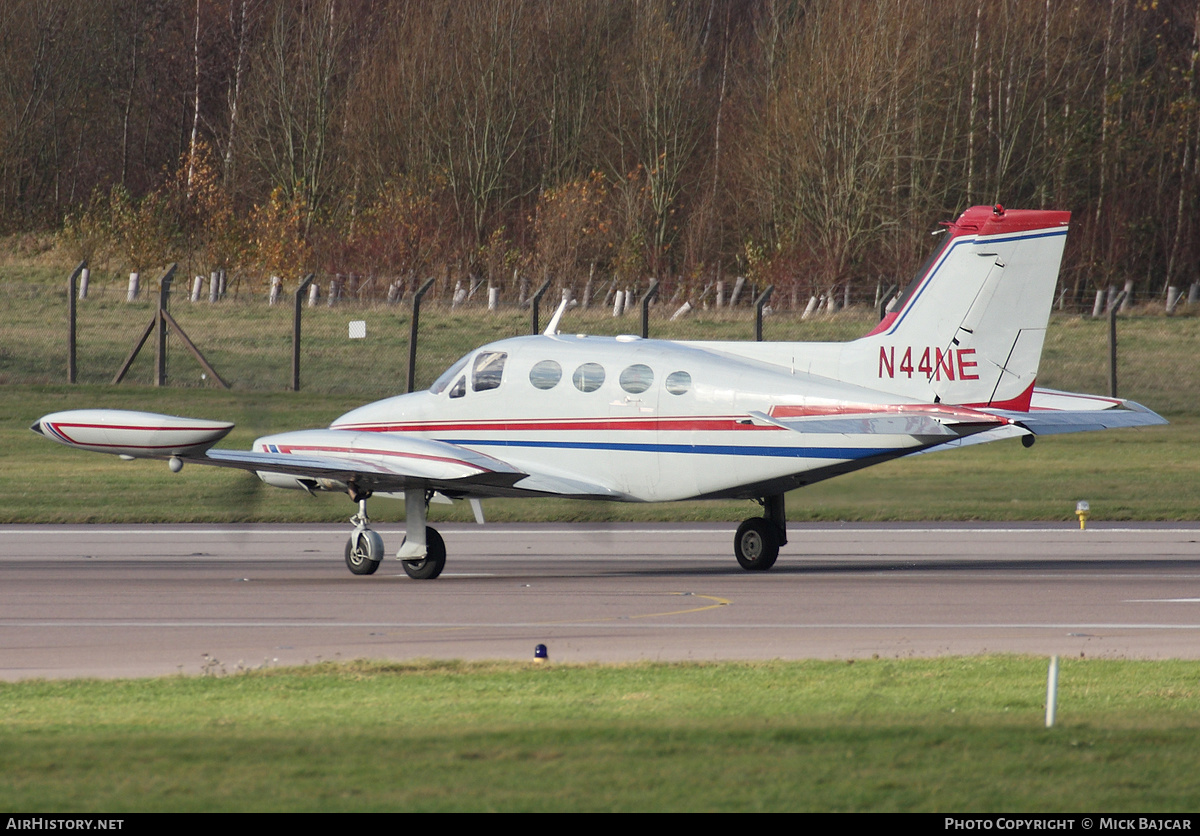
[694, 449]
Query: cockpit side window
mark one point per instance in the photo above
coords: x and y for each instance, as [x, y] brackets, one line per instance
[460, 387]
[489, 368]
[444, 379]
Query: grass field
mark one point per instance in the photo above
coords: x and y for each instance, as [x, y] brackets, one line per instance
[952, 734]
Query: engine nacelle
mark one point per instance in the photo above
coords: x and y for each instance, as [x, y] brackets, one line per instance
[299, 483]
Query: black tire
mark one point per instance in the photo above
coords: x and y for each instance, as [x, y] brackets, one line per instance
[435, 558]
[364, 550]
[756, 545]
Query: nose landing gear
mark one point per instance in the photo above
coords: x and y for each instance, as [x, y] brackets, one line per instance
[364, 549]
[422, 553]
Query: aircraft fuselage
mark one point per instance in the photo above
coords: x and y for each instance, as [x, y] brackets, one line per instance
[652, 420]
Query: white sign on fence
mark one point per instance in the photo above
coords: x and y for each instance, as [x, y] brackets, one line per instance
[358, 329]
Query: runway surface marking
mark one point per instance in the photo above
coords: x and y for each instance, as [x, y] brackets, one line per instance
[96, 600]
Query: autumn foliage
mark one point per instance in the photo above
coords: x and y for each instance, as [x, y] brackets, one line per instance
[812, 144]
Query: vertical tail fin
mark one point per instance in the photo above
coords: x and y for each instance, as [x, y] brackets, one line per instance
[970, 327]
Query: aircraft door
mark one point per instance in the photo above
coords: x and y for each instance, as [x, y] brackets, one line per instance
[633, 414]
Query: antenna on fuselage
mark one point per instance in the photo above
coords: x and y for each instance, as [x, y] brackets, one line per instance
[552, 327]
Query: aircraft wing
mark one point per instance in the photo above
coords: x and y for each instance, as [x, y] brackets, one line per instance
[329, 459]
[394, 464]
[370, 463]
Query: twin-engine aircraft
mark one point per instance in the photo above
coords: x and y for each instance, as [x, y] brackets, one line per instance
[635, 420]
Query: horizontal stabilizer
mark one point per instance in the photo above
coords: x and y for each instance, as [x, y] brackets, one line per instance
[910, 419]
[1055, 422]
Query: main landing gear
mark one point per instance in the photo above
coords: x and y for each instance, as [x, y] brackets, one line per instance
[422, 554]
[756, 544]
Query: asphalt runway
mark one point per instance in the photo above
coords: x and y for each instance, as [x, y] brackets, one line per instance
[116, 601]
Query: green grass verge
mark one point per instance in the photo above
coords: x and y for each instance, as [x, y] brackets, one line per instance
[1149, 473]
[884, 735]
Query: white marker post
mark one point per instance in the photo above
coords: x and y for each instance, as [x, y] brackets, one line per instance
[1051, 692]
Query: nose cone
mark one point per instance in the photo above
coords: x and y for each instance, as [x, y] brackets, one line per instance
[36, 426]
[381, 415]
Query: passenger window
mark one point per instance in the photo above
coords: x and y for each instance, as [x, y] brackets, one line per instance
[489, 366]
[637, 379]
[460, 387]
[589, 377]
[678, 382]
[546, 374]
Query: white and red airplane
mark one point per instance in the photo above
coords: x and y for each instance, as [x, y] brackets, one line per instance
[635, 420]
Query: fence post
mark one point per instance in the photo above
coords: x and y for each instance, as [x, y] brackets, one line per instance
[300, 291]
[160, 353]
[1112, 344]
[758, 311]
[646, 300]
[79, 268]
[886, 299]
[412, 334]
[535, 303]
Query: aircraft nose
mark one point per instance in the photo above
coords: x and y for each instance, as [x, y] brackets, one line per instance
[37, 427]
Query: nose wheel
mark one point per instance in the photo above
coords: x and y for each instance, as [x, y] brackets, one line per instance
[364, 549]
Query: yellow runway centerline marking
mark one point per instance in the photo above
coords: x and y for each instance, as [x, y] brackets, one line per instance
[720, 602]
[717, 603]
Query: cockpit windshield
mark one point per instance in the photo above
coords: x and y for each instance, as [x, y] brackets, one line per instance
[447, 376]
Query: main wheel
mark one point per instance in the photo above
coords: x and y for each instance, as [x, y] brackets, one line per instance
[756, 545]
[364, 550]
[435, 558]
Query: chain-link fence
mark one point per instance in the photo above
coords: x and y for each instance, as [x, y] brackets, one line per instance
[356, 340]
